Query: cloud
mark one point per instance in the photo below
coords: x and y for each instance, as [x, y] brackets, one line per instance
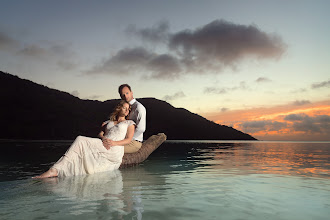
[174, 96]
[302, 90]
[33, 51]
[294, 117]
[164, 67]
[217, 90]
[75, 93]
[319, 124]
[93, 97]
[205, 50]
[158, 33]
[257, 125]
[49, 50]
[263, 125]
[262, 80]
[125, 61]
[66, 65]
[225, 43]
[284, 122]
[7, 43]
[321, 85]
[310, 124]
[140, 61]
[277, 126]
[59, 54]
[323, 118]
[301, 102]
[307, 124]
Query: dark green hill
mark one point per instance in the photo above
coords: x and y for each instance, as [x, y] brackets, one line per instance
[32, 111]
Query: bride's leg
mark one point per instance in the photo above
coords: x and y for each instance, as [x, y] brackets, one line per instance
[77, 159]
[64, 162]
[52, 172]
[72, 162]
[78, 147]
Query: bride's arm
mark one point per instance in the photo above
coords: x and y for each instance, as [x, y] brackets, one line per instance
[101, 134]
[105, 140]
[128, 138]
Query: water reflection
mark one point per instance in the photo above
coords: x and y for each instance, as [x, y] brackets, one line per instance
[186, 156]
[89, 193]
[118, 193]
[296, 159]
[22, 160]
[182, 180]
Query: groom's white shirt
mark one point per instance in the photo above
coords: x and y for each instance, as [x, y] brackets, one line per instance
[138, 115]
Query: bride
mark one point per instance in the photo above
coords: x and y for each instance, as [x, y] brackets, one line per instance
[93, 155]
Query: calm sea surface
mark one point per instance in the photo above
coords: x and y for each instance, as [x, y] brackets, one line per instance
[180, 180]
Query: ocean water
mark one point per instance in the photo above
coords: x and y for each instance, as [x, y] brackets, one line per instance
[180, 180]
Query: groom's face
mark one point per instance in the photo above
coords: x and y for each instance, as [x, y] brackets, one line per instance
[126, 94]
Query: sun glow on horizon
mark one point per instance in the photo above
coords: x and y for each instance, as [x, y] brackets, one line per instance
[311, 111]
[289, 122]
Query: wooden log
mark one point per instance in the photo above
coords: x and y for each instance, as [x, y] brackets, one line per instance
[148, 146]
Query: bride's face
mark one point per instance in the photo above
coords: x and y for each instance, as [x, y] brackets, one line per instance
[125, 109]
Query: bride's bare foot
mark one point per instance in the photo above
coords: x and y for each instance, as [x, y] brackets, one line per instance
[50, 173]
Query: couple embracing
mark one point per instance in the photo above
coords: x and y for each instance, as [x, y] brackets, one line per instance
[122, 133]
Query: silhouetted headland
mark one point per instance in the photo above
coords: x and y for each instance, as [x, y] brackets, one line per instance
[33, 111]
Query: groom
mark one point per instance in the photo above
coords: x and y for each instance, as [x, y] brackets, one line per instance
[137, 114]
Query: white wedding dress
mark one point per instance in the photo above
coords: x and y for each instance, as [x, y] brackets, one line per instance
[88, 155]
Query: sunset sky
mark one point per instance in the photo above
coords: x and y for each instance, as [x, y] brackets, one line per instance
[262, 67]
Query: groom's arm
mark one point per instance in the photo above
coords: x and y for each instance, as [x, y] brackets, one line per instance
[141, 120]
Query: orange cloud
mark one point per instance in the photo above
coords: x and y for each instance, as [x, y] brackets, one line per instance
[310, 121]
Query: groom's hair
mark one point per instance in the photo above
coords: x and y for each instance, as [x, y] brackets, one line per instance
[122, 86]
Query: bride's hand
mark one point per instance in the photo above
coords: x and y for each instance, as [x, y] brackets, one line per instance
[106, 143]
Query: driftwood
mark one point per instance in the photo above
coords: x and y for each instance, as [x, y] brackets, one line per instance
[148, 146]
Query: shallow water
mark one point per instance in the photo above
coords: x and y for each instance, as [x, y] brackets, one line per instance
[180, 180]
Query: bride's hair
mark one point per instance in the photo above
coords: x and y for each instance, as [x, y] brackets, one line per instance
[115, 113]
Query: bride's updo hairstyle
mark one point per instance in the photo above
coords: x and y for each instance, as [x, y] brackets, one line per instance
[115, 113]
